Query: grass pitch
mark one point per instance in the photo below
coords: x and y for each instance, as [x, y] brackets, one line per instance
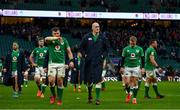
[112, 98]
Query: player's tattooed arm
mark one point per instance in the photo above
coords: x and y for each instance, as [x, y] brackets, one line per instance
[70, 55]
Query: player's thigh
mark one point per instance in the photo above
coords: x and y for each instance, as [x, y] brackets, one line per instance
[37, 73]
[52, 70]
[135, 72]
[42, 73]
[127, 72]
[61, 71]
[150, 74]
[14, 74]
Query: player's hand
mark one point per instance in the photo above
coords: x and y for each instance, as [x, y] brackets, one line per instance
[4, 70]
[45, 70]
[71, 64]
[121, 70]
[34, 65]
[142, 70]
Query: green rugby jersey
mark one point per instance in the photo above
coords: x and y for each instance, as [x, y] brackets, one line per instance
[132, 56]
[14, 55]
[57, 50]
[39, 54]
[150, 51]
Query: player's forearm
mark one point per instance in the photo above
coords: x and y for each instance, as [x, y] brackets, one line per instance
[154, 62]
[50, 38]
[31, 60]
[70, 55]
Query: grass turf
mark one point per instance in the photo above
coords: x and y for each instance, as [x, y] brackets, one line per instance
[112, 98]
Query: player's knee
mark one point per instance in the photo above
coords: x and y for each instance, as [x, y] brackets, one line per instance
[43, 80]
[60, 82]
[52, 83]
[154, 80]
[36, 77]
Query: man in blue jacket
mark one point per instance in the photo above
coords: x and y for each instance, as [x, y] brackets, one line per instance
[94, 49]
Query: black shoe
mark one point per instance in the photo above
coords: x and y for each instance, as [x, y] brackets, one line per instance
[90, 100]
[97, 102]
[160, 96]
[147, 97]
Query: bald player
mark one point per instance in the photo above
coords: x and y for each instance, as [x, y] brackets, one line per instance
[94, 48]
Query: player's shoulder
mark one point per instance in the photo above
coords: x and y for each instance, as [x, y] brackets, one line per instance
[139, 47]
[35, 49]
[87, 35]
[45, 48]
[64, 39]
[149, 49]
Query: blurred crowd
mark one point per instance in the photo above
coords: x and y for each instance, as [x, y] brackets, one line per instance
[26, 31]
[168, 37]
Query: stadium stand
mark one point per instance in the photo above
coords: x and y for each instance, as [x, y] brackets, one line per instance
[27, 34]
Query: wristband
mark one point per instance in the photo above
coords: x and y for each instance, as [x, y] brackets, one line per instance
[71, 60]
[157, 66]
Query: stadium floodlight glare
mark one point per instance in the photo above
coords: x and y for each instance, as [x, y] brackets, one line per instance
[97, 15]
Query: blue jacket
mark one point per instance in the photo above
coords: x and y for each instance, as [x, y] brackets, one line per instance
[21, 66]
[94, 54]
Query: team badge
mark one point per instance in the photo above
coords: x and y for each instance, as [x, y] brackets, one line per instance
[14, 58]
[57, 47]
[41, 54]
[132, 55]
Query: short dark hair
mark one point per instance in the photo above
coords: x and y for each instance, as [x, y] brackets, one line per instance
[152, 41]
[55, 29]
